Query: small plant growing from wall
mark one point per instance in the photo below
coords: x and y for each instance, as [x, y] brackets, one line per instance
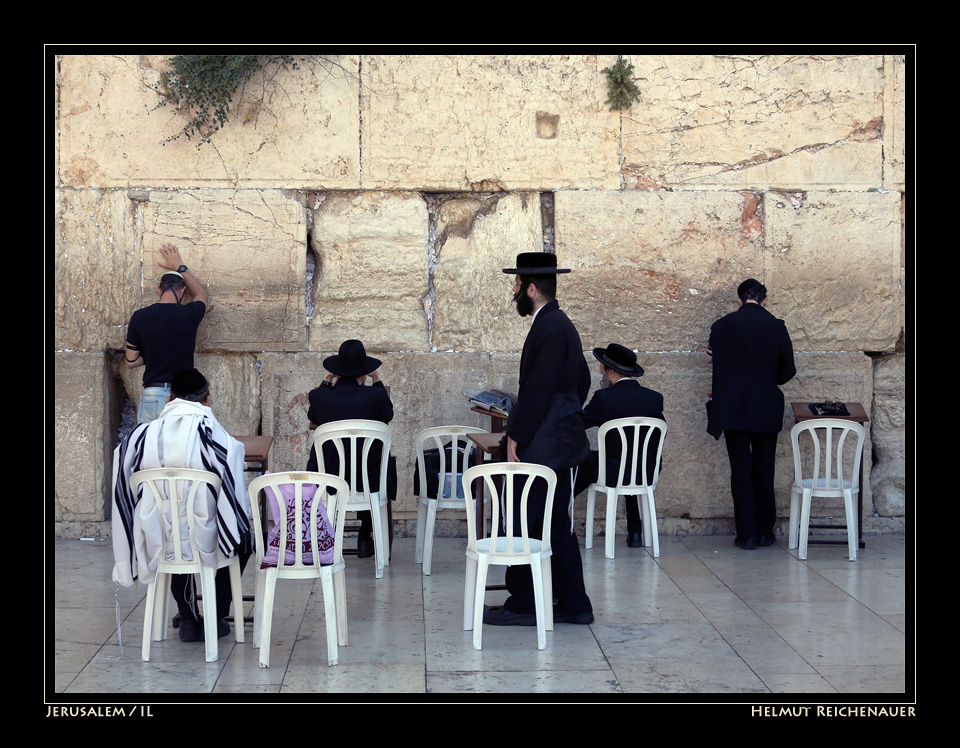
[620, 84]
[203, 87]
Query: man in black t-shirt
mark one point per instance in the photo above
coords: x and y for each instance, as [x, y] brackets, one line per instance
[162, 337]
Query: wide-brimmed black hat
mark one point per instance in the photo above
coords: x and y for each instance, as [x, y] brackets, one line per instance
[619, 358]
[536, 263]
[352, 361]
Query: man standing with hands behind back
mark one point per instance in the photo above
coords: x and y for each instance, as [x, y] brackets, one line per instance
[162, 337]
[546, 427]
[752, 355]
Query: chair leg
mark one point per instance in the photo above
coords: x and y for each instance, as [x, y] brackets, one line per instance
[650, 530]
[611, 527]
[421, 524]
[340, 598]
[236, 591]
[266, 615]
[547, 576]
[330, 615]
[804, 523]
[258, 607]
[148, 618]
[469, 593]
[208, 589]
[536, 571]
[429, 524]
[851, 509]
[794, 519]
[479, 592]
[591, 500]
[378, 537]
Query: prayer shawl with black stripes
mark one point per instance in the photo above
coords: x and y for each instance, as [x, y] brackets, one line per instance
[185, 435]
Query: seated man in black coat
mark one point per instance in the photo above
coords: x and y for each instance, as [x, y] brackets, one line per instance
[342, 396]
[620, 396]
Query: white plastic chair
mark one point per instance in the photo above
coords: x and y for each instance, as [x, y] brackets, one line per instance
[438, 438]
[826, 477]
[331, 576]
[625, 480]
[513, 548]
[355, 438]
[175, 493]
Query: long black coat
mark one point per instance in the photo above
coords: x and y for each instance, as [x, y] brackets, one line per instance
[752, 356]
[626, 399]
[547, 419]
[347, 399]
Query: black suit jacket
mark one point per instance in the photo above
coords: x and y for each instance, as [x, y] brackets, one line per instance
[752, 356]
[547, 419]
[348, 399]
[626, 399]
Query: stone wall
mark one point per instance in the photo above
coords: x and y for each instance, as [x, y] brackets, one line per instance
[379, 197]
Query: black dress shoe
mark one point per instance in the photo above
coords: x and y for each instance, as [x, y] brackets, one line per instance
[364, 547]
[191, 629]
[499, 616]
[560, 615]
[748, 544]
[635, 540]
[766, 539]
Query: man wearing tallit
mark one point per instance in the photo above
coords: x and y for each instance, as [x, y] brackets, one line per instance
[185, 435]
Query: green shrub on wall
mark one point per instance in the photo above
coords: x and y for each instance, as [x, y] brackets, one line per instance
[623, 91]
[203, 86]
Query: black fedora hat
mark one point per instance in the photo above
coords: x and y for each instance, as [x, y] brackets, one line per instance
[536, 263]
[619, 358]
[351, 361]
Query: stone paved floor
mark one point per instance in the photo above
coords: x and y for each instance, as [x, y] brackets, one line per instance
[704, 618]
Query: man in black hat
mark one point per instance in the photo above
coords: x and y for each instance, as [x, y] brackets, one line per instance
[546, 427]
[184, 435]
[752, 355]
[620, 396]
[341, 396]
[162, 337]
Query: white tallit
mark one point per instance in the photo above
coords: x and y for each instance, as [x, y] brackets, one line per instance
[186, 435]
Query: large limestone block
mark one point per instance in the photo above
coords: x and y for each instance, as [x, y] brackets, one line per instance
[371, 271]
[477, 237]
[86, 414]
[755, 122]
[290, 128]
[96, 268]
[888, 430]
[488, 123]
[833, 268]
[653, 270]
[248, 248]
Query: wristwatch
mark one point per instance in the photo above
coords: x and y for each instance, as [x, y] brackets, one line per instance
[182, 269]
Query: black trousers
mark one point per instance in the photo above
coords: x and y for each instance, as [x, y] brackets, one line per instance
[183, 587]
[565, 564]
[752, 463]
[587, 473]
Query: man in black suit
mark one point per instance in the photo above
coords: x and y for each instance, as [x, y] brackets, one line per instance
[342, 396]
[752, 356]
[545, 426]
[620, 396]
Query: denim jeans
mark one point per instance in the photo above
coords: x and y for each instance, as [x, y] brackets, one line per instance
[152, 401]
